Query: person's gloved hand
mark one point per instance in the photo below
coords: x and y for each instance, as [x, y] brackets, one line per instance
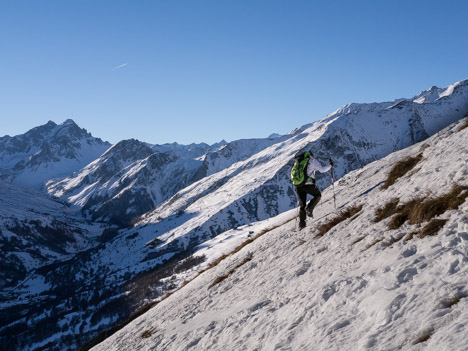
[330, 162]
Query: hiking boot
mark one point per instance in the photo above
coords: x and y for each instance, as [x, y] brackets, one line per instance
[310, 212]
[302, 225]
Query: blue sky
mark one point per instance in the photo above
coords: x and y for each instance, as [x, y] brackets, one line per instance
[202, 71]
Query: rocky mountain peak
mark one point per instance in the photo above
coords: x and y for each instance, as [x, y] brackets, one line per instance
[48, 151]
[129, 149]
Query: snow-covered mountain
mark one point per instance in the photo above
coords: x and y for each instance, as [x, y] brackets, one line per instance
[132, 178]
[36, 231]
[386, 272]
[194, 199]
[116, 189]
[123, 183]
[46, 152]
[259, 187]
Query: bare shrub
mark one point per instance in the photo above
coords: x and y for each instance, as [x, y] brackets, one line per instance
[347, 213]
[400, 169]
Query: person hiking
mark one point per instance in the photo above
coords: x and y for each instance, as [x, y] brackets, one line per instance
[303, 179]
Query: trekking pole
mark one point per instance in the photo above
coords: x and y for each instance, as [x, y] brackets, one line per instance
[297, 212]
[333, 182]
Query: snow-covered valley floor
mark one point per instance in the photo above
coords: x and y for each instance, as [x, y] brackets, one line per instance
[361, 286]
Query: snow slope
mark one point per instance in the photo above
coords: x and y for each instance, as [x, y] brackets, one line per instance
[361, 286]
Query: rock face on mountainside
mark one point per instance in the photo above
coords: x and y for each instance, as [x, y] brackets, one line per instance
[385, 272]
[46, 152]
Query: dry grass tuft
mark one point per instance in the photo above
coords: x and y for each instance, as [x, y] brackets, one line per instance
[422, 210]
[240, 247]
[464, 125]
[410, 236]
[400, 169]
[216, 262]
[147, 333]
[225, 276]
[452, 301]
[301, 242]
[376, 241]
[347, 213]
[393, 240]
[358, 240]
[389, 209]
[430, 208]
[426, 336]
[432, 228]
[398, 220]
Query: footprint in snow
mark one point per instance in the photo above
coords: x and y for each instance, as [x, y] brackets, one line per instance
[410, 251]
[297, 322]
[407, 275]
[454, 268]
[305, 267]
[454, 242]
[193, 343]
[329, 292]
[338, 326]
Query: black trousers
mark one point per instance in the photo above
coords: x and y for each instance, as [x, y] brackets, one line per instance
[302, 192]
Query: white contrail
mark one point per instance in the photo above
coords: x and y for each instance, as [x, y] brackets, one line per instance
[120, 66]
